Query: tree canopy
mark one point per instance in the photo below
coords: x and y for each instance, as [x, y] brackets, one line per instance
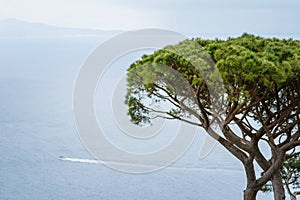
[248, 87]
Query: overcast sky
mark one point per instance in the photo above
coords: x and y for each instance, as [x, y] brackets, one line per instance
[194, 17]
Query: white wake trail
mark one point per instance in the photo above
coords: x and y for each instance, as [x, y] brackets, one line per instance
[79, 160]
[92, 161]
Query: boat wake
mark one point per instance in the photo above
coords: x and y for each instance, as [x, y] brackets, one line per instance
[93, 161]
[79, 160]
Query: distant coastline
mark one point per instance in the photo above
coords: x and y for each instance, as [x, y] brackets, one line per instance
[14, 29]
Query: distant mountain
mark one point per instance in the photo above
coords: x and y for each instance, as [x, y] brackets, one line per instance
[13, 28]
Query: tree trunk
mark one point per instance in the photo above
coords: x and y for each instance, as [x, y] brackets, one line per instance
[251, 191]
[277, 184]
[250, 194]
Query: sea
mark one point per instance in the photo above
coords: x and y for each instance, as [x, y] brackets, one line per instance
[43, 157]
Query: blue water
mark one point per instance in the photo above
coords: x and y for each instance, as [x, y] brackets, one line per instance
[36, 127]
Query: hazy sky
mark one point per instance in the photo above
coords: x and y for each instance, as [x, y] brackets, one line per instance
[216, 17]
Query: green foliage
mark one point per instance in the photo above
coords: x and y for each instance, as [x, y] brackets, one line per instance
[291, 172]
[249, 67]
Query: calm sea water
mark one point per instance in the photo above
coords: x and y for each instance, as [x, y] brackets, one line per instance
[36, 128]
